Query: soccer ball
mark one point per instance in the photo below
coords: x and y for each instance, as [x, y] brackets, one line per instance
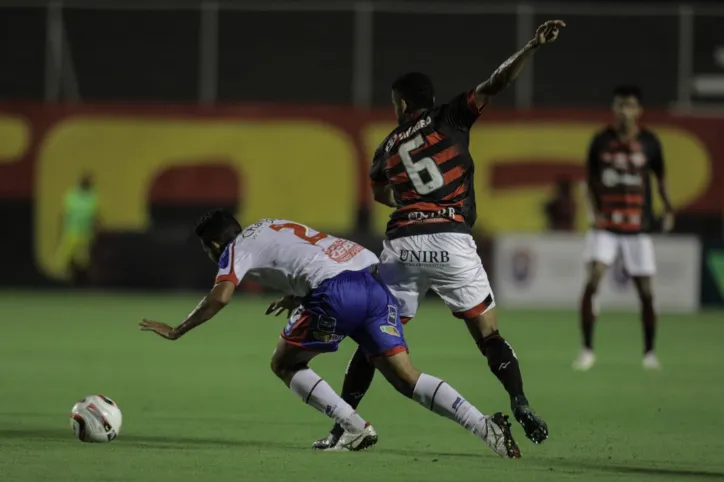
[96, 419]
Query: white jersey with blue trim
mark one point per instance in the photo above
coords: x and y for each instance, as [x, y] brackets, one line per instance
[289, 257]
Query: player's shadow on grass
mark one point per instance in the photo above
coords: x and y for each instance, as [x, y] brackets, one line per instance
[662, 471]
[148, 441]
[628, 469]
[174, 442]
[583, 465]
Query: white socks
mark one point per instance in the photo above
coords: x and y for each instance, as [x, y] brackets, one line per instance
[430, 392]
[316, 392]
[439, 397]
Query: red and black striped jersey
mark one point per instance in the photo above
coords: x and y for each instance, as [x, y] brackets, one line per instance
[427, 163]
[619, 176]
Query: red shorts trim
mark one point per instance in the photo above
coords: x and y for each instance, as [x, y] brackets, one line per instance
[297, 334]
[472, 312]
[390, 352]
[228, 277]
[299, 345]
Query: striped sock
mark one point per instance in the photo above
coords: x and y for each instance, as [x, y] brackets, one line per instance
[314, 391]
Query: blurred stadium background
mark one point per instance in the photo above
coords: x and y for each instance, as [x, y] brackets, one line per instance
[273, 109]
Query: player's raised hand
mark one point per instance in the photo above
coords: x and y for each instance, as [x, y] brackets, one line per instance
[667, 222]
[161, 329]
[548, 32]
[286, 303]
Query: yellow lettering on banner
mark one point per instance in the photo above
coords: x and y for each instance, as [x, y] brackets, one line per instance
[15, 135]
[304, 171]
[520, 208]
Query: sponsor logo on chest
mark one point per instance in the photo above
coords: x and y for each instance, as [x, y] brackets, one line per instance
[612, 177]
[623, 167]
[624, 157]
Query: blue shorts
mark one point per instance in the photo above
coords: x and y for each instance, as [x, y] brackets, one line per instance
[352, 304]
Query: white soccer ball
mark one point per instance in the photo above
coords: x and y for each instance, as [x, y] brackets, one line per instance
[96, 418]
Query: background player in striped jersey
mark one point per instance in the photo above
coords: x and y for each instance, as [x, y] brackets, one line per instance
[620, 161]
[424, 170]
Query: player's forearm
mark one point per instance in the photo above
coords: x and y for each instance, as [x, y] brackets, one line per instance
[508, 71]
[207, 309]
[384, 195]
[664, 194]
[388, 201]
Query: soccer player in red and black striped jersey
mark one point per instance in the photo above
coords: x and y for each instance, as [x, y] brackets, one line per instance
[424, 170]
[621, 159]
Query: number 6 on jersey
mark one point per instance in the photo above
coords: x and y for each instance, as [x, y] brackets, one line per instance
[416, 168]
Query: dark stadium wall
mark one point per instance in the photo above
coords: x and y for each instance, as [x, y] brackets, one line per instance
[159, 167]
[259, 50]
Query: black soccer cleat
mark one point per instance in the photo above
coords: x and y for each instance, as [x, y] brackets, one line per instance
[534, 426]
[326, 443]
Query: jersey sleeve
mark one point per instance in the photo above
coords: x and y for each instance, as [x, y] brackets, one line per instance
[462, 111]
[656, 163]
[233, 265]
[377, 171]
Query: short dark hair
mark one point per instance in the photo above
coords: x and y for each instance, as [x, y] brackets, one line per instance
[416, 90]
[628, 91]
[218, 226]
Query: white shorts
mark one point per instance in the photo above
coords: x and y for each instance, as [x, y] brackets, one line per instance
[637, 251]
[447, 263]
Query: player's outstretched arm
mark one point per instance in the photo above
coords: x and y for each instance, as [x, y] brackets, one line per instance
[212, 303]
[509, 70]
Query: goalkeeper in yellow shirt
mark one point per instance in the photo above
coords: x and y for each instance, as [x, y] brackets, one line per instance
[78, 229]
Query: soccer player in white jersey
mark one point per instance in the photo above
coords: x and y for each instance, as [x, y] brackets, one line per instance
[331, 292]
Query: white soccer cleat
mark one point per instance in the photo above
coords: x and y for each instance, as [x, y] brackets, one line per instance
[495, 432]
[354, 441]
[651, 362]
[585, 360]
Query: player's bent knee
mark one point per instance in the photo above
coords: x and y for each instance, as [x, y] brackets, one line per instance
[483, 325]
[286, 371]
[593, 283]
[643, 286]
[277, 367]
[489, 321]
[287, 361]
[596, 271]
[646, 296]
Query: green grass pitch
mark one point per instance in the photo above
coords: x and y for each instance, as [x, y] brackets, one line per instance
[207, 407]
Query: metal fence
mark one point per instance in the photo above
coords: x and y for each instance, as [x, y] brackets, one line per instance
[348, 52]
